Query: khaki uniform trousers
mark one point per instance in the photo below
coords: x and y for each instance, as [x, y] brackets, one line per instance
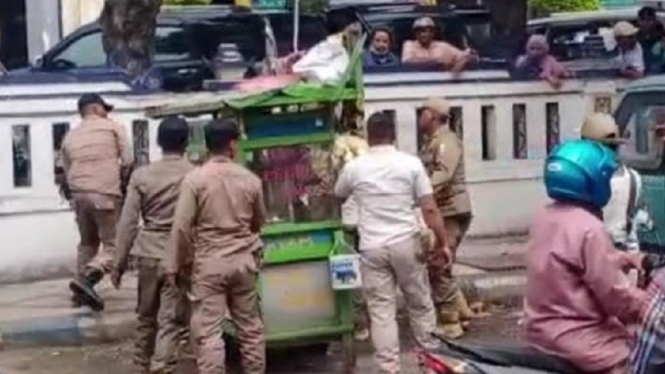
[444, 286]
[96, 218]
[163, 317]
[383, 270]
[221, 288]
[360, 313]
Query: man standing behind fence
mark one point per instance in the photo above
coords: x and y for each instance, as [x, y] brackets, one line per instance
[387, 185]
[96, 158]
[152, 195]
[217, 223]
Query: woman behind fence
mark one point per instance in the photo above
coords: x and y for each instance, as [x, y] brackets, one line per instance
[538, 63]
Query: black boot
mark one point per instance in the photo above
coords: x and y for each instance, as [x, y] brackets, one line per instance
[85, 290]
[77, 301]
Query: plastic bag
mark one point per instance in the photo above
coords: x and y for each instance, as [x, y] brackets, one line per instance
[326, 62]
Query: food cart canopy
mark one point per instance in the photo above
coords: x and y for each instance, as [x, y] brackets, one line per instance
[350, 87]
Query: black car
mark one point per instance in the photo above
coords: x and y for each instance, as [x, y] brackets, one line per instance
[186, 41]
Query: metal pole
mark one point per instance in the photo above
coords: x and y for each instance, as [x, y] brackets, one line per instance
[296, 24]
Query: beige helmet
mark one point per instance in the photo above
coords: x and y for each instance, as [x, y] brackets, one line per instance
[601, 127]
[624, 28]
[438, 105]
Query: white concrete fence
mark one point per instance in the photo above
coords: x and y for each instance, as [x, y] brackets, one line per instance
[506, 128]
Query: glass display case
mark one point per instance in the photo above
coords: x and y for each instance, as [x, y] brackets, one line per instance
[298, 182]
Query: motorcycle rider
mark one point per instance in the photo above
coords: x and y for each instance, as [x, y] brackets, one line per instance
[577, 302]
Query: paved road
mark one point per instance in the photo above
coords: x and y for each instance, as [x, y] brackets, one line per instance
[116, 359]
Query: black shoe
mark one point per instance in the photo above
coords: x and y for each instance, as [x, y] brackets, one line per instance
[85, 290]
[77, 301]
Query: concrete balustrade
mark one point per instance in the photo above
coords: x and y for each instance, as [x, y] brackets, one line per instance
[508, 128]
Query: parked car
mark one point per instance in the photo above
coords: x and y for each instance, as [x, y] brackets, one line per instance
[186, 41]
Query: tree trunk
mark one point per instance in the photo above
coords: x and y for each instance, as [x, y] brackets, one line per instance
[128, 28]
[510, 16]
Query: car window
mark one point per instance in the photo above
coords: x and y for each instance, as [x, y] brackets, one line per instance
[637, 117]
[576, 41]
[170, 44]
[242, 34]
[312, 31]
[86, 51]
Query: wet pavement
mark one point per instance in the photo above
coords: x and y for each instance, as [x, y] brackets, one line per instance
[502, 326]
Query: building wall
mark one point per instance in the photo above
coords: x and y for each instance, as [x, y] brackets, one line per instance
[76, 13]
[43, 26]
[48, 21]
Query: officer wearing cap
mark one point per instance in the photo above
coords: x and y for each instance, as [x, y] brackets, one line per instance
[216, 227]
[143, 230]
[442, 154]
[95, 156]
[621, 212]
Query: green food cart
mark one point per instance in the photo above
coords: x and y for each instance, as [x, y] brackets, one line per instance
[288, 135]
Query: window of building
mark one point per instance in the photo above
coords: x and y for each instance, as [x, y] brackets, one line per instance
[21, 156]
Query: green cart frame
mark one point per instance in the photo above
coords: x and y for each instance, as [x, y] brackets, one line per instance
[299, 305]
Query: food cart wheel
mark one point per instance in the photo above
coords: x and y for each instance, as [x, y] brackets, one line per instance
[349, 351]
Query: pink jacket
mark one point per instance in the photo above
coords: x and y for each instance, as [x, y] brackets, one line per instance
[577, 301]
[549, 67]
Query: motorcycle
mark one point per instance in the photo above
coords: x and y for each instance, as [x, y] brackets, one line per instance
[512, 358]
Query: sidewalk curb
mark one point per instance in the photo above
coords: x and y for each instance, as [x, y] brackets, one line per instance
[506, 288]
[86, 327]
[82, 328]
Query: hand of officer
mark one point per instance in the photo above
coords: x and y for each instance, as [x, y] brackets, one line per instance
[441, 257]
[116, 277]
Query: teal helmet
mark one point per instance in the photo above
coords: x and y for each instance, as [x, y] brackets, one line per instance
[580, 171]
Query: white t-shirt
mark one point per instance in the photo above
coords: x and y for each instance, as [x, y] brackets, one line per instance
[614, 213]
[387, 185]
[633, 58]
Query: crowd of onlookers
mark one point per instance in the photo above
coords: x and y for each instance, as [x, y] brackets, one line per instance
[639, 51]
[424, 49]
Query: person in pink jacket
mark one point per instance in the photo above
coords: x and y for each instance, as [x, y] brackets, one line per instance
[539, 63]
[578, 305]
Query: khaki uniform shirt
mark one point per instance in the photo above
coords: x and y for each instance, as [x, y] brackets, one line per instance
[219, 214]
[93, 154]
[443, 157]
[152, 195]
